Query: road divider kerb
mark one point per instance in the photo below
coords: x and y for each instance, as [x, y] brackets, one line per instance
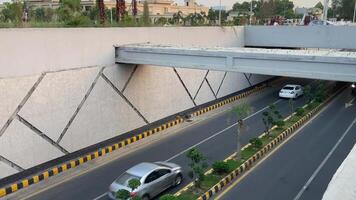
[119, 145]
[232, 156]
[265, 150]
[229, 100]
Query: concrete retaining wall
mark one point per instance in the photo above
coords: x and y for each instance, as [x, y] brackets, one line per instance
[60, 90]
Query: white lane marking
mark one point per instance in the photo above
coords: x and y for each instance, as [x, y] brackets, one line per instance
[323, 163]
[218, 133]
[99, 197]
[350, 103]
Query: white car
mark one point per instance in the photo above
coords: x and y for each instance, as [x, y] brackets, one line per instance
[291, 91]
[154, 177]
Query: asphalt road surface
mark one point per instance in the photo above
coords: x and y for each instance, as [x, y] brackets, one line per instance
[303, 167]
[215, 137]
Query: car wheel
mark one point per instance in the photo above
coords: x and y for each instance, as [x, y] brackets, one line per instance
[178, 180]
[146, 197]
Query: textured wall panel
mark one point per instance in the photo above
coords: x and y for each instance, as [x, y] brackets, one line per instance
[56, 98]
[22, 146]
[6, 170]
[104, 115]
[12, 91]
[205, 94]
[65, 48]
[157, 92]
[192, 79]
[215, 78]
[119, 74]
[233, 82]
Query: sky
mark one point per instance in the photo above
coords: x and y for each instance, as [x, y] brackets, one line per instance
[229, 3]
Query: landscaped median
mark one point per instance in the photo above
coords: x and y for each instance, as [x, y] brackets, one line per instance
[45, 174]
[224, 172]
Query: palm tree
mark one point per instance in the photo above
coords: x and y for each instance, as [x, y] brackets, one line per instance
[101, 6]
[241, 112]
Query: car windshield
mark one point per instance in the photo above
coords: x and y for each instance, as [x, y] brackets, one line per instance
[125, 178]
[288, 88]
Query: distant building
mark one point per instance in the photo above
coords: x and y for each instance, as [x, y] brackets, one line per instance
[216, 8]
[157, 8]
[301, 11]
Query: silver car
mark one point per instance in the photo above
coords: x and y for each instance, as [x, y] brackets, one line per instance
[154, 177]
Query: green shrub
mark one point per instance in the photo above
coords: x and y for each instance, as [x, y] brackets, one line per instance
[279, 123]
[312, 105]
[300, 112]
[220, 167]
[256, 143]
[136, 198]
[123, 194]
[134, 183]
[79, 21]
[168, 197]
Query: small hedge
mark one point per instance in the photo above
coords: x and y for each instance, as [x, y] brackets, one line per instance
[220, 167]
[300, 112]
[256, 143]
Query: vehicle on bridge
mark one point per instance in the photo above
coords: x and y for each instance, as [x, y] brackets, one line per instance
[353, 86]
[291, 91]
[154, 177]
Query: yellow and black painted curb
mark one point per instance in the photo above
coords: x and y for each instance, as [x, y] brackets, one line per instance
[229, 100]
[78, 161]
[265, 150]
[102, 151]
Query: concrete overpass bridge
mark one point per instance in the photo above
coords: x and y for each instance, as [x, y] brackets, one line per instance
[303, 58]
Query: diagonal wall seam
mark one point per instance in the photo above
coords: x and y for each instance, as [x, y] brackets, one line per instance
[41, 134]
[22, 103]
[80, 105]
[124, 97]
[185, 87]
[222, 81]
[211, 88]
[10, 163]
[128, 80]
[201, 84]
[248, 80]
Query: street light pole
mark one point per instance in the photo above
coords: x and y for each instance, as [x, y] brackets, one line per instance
[353, 20]
[220, 13]
[251, 13]
[325, 11]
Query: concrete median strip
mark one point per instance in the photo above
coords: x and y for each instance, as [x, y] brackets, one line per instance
[119, 145]
[265, 150]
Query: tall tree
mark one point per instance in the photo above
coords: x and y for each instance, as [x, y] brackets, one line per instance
[101, 7]
[267, 9]
[319, 5]
[120, 10]
[146, 13]
[12, 12]
[284, 8]
[241, 112]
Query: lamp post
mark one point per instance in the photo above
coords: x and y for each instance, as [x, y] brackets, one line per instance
[220, 13]
[325, 12]
[353, 19]
[250, 13]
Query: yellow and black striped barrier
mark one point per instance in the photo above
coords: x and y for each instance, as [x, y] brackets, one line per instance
[229, 100]
[78, 161]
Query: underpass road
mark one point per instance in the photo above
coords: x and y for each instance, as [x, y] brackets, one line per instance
[214, 139]
[308, 160]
